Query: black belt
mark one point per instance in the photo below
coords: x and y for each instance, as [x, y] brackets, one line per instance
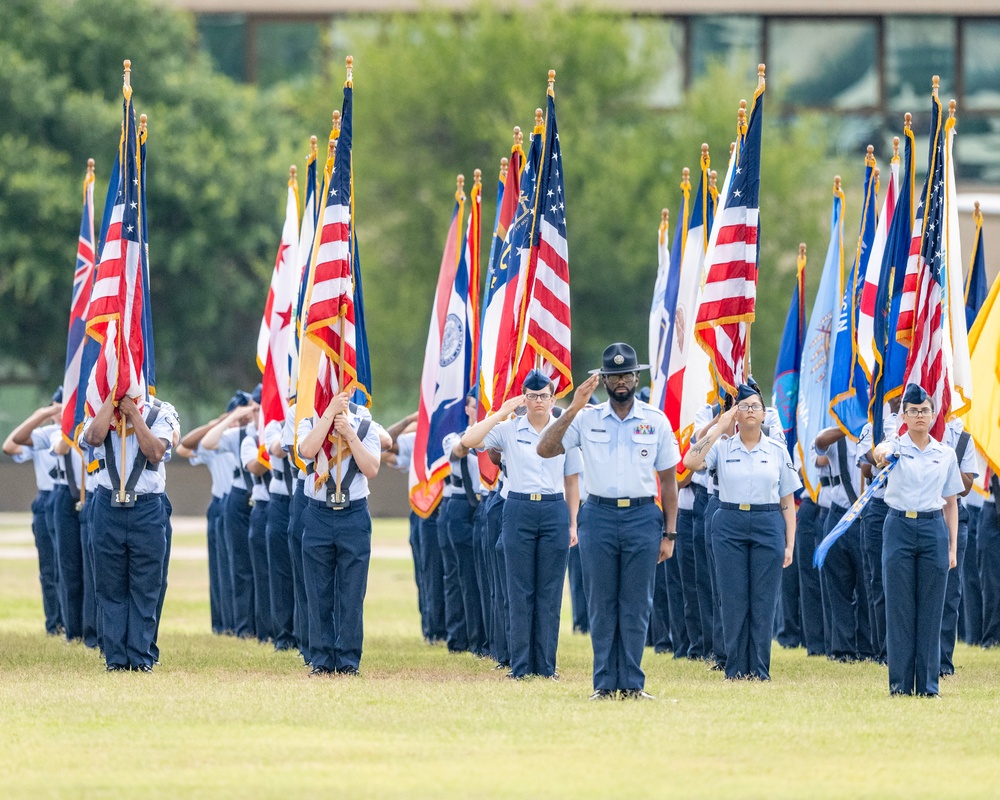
[535, 497]
[344, 507]
[698, 488]
[878, 502]
[749, 507]
[895, 512]
[617, 502]
[139, 498]
[824, 481]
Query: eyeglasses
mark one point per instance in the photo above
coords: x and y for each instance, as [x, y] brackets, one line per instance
[538, 397]
[750, 407]
[622, 377]
[918, 412]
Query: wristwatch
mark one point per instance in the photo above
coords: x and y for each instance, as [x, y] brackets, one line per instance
[670, 535]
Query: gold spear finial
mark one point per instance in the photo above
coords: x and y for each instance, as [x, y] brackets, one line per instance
[504, 164]
[477, 177]
[935, 85]
[128, 73]
[713, 178]
[336, 120]
[760, 75]
[552, 82]
[665, 216]
[951, 109]
[518, 136]
[90, 171]
[350, 72]
[836, 184]
[313, 145]
[704, 150]
[977, 215]
[685, 178]
[293, 171]
[907, 120]
[895, 147]
[460, 188]
[802, 249]
[870, 156]
[143, 123]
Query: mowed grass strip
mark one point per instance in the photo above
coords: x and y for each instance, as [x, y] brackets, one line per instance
[228, 718]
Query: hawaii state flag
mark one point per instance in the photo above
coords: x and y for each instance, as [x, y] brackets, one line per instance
[115, 317]
[83, 279]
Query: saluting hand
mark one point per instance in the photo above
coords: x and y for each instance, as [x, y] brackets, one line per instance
[512, 404]
[583, 393]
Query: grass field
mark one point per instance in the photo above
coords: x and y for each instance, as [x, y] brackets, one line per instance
[227, 718]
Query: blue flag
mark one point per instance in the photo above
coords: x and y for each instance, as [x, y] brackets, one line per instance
[848, 382]
[890, 354]
[975, 284]
[819, 556]
[785, 389]
[813, 410]
[149, 362]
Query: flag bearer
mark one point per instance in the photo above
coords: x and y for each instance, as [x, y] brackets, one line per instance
[539, 522]
[279, 558]
[753, 530]
[337, 537]
[260, 477]
[129, 533]
[623, 535]
[32, 441]
[920, 543]
[68, 542]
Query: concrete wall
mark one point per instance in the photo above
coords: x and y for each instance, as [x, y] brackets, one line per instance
[190, 489]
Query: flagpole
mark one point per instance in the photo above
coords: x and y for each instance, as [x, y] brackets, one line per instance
[127, 91]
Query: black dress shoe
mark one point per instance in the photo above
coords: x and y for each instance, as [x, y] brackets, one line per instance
[636, 694]
[604, 694]
[142, 668]
[117, 668]
[320, 671]
[349, 670]
[512, 677]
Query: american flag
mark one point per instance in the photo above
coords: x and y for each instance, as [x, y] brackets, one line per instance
[330, 316]
[547, 321]
[83, 279]
[729, 295]
[115, 314]
[275, 338]
[926, 364]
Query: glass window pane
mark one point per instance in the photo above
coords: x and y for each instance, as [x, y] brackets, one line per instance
[977, 148]
[824, 63]
[917, 48]
[981, 64]
[224, 38]
[286, 50]
[735, 42]
[660, 41]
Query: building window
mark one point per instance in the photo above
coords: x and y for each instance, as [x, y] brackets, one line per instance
[734, 42]
[661, 41]
[915, 49]
[826, 63]
[224, 38]
[981, 64]
[285, 51]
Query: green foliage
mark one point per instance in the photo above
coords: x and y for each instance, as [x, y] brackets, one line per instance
[435, 94]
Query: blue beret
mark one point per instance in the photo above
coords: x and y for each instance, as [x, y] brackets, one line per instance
[745, 391]
[915, 394]
[535, 381]
[57, 396]
[241, 398]
[257, 392]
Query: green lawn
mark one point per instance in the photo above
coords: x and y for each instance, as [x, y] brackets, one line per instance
[226, 718]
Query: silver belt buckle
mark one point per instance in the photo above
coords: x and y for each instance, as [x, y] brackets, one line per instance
[338, 501]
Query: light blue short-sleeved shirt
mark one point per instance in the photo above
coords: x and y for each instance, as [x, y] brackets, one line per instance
[685, 498]
[758, 476]
[230, 444]
[150, 481]
[922, 478]
[248, 454]
[837, 494]
[404, 445]
[40, 454]
[358, 488]
[272, 434]
[528, 472]
[622, 456]
[702, 417]
[220, 467]
[448, 445]
[890, 427]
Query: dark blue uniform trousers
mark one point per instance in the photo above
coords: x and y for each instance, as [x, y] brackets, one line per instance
[336, 549]
[89, 586]
[226, 599]
[972, 591]
[915, 573]
[953, 597]
[702, 571]
[257, 536]
[844, 576]
[807, 535]
[749, 551]
[48, 569]
[69, 555]
[279, 573]
[718, 635]
[129, 546]
[789, 618]
[577, 592]
[296, 523]
[212, 515]
[500, 626]
[168, 535]
[459, 516]
[872, 523]
[679, 641]
[988, 550]
[686, 562]
[483, 574]
[417, 575]
[433, 574]
[619, 548]
[457, 634]
[536, 546]
[90, 511]
[241, 564]
[658, 634]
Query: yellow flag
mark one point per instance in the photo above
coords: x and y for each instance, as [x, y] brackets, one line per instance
[982, 420]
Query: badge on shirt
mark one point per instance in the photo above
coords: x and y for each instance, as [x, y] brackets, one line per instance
[643, 428]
